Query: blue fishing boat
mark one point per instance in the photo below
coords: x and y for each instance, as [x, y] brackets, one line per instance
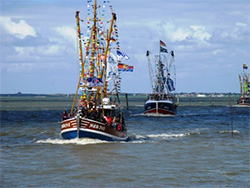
[96, 111]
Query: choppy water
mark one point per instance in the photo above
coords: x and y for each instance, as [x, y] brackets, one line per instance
[203, 146]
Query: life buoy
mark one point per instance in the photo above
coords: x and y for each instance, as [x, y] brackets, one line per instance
[119, 127]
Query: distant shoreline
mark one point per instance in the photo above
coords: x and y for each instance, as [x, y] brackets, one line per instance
[182, 94]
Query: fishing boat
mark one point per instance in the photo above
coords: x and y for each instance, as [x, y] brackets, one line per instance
[244, 87]
[96, 112]
[161, 100]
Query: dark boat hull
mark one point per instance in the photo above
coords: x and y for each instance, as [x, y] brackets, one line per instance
[244, 101]
[89, 128]
[165, 107]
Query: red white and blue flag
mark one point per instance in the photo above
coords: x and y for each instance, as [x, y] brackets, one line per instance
[124, 67]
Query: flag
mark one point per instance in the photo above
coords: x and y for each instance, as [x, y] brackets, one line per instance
[245, 87]
[163, 50]
[163, 47]
[170, 84]
[121, 55]
[124, 67]
[162, 44]
[112, 69]
[245, 66]
[93, 81]
[112, 39]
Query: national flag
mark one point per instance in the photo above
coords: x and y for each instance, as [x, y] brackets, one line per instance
[162, 43]
[125, 67]
[245, 66]
[163, 49]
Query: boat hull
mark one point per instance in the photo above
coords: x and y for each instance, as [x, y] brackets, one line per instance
[165, 107]
[89, 128]
[244, 101]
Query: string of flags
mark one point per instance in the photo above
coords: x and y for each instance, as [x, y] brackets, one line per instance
[94, 46]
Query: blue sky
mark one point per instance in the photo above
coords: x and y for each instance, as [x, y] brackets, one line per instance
[211, 40]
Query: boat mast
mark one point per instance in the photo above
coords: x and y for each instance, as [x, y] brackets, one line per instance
[151, 75]
[106, 53]
[92, 59]
[240, 84]
[80, 56]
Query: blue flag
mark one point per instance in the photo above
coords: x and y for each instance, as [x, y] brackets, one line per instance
[121, 55]
[170, 84]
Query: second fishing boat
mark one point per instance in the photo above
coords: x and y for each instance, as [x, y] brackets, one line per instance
[161, 101]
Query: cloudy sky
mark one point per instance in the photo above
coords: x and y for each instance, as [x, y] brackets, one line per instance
[211, 40]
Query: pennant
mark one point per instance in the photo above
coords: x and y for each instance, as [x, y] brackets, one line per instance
[121, 55]
[112, 39]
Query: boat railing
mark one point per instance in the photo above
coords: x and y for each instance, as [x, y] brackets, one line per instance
[161, 97]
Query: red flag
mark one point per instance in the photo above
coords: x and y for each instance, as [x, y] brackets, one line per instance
[162, 43]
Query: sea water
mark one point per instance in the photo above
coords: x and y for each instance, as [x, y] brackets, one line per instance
[203, 146]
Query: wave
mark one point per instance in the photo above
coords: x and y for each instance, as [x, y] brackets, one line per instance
[152, 115]
[166, 136]
[229, 131]
[239, 106]
[163, 136]
[81, 141]
[153, 137]
[135, 139]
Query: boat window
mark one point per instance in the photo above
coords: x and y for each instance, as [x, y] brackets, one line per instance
[110, 113]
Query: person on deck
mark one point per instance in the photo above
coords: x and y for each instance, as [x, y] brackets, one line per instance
[75, 111]
[84, 112]
[91, 113]
[97, 114]
[64, 115]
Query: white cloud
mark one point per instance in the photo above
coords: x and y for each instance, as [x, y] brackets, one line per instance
[200, 33]
[24, 51]
[68, 33]
[176, 33]
[239, 24]
[19, 29]
[53, 50]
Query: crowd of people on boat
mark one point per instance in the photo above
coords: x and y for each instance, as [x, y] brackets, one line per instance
[96, 114]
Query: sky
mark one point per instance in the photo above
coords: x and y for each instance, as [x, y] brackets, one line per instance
[211, 41]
